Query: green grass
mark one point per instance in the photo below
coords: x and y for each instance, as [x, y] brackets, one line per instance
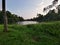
[46, 33]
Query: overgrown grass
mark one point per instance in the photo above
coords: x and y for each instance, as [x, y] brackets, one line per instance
[36, 34]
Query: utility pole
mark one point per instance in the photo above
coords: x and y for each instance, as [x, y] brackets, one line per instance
[4, 16]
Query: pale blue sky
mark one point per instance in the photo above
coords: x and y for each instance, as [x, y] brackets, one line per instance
[26, 8]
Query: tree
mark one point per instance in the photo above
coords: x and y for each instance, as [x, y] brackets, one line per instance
[50, 6]
[5, 16]
[12, 18]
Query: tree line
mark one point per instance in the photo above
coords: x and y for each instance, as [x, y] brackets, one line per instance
[12, 18]
[50, 16]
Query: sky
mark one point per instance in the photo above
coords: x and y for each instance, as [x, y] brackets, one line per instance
[26, 8]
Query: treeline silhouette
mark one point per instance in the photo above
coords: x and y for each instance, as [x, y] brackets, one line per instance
[12, 18]
[50, 16]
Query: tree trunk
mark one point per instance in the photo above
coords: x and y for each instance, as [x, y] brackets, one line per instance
[4, 16]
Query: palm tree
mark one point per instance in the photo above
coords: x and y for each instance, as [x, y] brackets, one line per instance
[5, 16]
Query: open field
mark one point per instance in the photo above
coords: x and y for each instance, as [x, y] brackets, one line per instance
[46, 33]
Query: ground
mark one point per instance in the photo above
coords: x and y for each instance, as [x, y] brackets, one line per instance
[45, 33]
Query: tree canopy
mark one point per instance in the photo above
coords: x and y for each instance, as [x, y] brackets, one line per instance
[50, 16]
[12, 18]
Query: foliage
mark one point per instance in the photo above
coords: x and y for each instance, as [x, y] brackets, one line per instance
[12, 18]
[50, 16]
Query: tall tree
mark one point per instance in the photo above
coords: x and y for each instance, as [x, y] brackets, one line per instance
[5, 16]
[51, 6]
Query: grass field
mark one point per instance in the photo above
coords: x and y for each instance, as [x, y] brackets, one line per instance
[46, 33]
